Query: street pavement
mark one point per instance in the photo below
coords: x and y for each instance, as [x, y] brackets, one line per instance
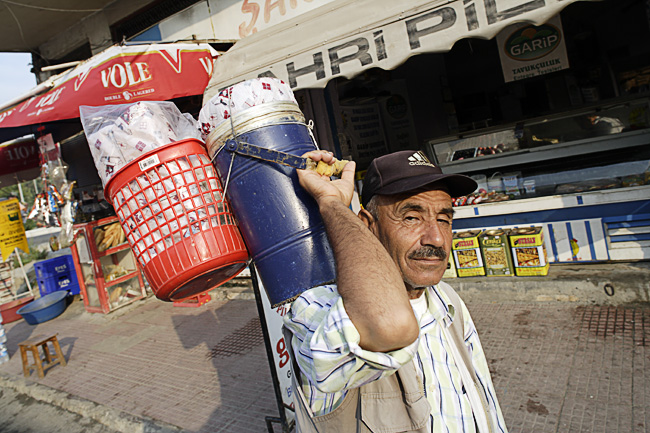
[21, 413]
[561, 363]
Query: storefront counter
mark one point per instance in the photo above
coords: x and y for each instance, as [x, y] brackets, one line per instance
[591, 226]
[620, 142]
[584, 175]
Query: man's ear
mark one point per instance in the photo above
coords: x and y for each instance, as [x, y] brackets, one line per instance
[366, 217]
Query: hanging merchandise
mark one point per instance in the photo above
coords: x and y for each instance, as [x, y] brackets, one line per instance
[41, 211]
[69, 210]
[54, 205]
[54, 199]
[119, 134]
[56, 173]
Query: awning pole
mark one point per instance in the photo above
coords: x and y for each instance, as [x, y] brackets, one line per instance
[29, 286]
[20, 190]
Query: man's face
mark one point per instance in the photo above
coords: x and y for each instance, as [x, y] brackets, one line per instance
[416, 231]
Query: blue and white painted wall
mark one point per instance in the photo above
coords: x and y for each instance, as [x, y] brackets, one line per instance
[583, 227]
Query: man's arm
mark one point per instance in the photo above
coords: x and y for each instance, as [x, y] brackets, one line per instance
[368, 280]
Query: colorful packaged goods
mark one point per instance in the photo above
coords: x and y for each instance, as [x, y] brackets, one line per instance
[496, 253]
[528, 251]
[467, 253]
[451, 270]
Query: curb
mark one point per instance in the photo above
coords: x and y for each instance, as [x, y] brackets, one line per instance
[589, 283]
[601, 284]
[112, 418]
[237, 288]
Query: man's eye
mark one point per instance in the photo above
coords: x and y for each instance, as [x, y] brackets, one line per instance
[444, 221]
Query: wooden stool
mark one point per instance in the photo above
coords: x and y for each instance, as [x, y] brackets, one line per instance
[41, 364]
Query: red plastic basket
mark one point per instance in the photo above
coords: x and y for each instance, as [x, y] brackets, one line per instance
[171, 206]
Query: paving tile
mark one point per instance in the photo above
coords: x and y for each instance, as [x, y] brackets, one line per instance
[557, 367]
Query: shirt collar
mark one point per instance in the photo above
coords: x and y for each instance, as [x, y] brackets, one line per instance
[439, 306]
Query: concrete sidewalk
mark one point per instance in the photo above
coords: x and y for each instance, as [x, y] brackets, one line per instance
[573, 365]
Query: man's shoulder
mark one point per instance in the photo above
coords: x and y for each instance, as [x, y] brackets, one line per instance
[318, 294]
[446, 292]
[310, 302]
[451, 297]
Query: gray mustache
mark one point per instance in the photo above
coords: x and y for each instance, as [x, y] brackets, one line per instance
[428, 252]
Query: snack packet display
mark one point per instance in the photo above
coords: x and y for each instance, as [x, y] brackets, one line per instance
[118, 134]
[249, 94]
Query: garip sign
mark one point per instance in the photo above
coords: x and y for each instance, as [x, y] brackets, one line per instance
[118, 75]
[337, 43]
[528, 51]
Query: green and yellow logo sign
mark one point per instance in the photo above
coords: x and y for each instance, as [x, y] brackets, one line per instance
[532, 42]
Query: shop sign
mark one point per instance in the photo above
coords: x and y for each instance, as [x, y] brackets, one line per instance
[386, 47]
[396, 115]
[18, 155]
[12, 231]
[281, 359]
[527, 50]
[244, 18]
[118, 75]
[362, 132]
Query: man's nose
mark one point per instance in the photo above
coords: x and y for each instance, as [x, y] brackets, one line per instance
[433, 234]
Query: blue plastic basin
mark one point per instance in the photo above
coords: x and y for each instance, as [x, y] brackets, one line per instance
[44, 308]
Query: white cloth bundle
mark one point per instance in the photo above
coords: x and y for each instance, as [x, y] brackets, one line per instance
[239, 97]
[118, 134]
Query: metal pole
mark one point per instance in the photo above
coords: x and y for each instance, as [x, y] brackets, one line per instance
[20, 190]
[286, 428]
[29, 286]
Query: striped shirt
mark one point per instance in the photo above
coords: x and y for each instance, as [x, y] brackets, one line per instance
[326, 347]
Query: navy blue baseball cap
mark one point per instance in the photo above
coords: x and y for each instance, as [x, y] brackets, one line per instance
[408, 170]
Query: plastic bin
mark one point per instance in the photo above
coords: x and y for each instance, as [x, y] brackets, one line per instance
[67, 281]
[46, 308]
[57, 274]
[171, 206]
[54, 267]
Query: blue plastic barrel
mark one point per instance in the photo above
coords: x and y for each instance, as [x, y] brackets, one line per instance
[279, 221]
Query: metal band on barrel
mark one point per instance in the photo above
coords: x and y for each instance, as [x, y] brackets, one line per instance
[271, 113]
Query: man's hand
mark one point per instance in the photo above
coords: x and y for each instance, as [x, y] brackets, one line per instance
[321, 187]
[367, 278]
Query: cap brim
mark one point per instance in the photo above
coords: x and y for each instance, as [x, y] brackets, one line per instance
[457, 184]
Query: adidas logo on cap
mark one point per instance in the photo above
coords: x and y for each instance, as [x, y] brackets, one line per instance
[419, 158]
